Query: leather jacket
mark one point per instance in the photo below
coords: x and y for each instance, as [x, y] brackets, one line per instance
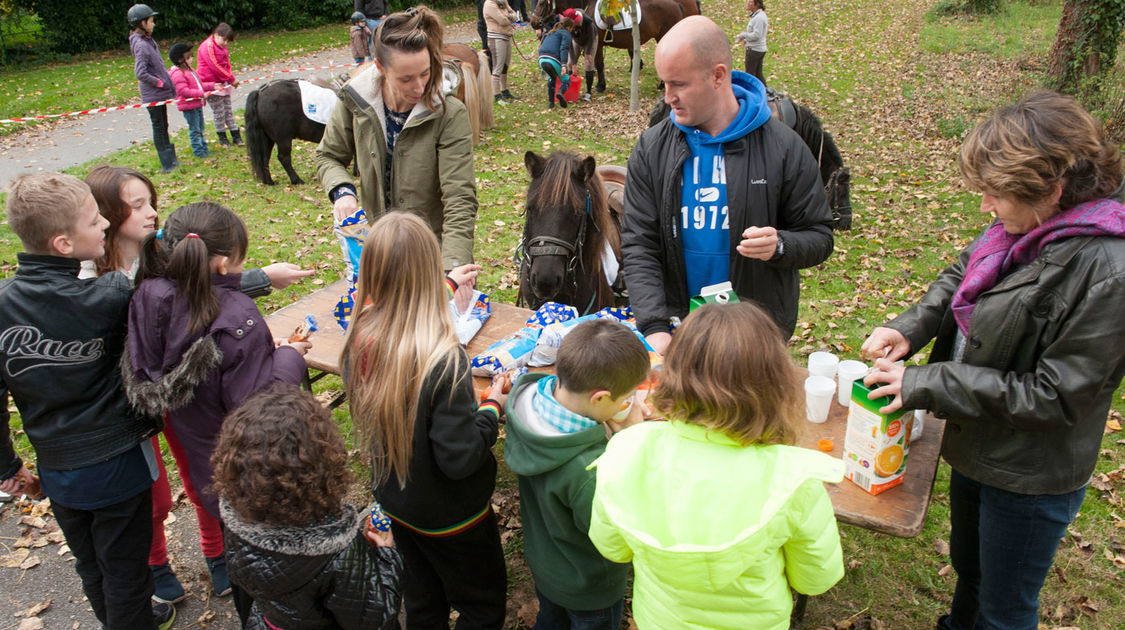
[1026, 404]
[61, 339]
[772, 180]
[321, 576]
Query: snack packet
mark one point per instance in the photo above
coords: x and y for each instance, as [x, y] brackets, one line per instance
[507, 354]
[469, 323]
[351, 234]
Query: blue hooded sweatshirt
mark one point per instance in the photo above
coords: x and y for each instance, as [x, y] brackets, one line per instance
[705, 228]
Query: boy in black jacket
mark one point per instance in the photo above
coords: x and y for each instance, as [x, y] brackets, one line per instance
[61, 339]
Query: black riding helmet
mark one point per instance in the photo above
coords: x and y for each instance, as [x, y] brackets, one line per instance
[139, 13]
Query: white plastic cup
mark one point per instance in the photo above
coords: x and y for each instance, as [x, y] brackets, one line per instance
[823, 364]
[847, 372]
[818, 398]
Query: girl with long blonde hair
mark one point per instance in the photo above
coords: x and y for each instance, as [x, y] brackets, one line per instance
[414, 410]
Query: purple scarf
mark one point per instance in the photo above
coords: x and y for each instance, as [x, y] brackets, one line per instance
[997, 251]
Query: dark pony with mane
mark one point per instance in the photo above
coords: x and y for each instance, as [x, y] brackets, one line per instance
[567, 230]
[273, 116]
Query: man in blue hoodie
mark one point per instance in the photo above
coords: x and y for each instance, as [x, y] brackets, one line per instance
[718, 192]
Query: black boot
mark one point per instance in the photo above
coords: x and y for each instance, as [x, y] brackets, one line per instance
[175, 160]
[167, 159]
[550, 97]
[236, 135]
[562, 99]
[509, 96]
[223, 139]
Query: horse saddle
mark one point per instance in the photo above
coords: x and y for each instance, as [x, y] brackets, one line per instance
[615, 15]
[613, 181]
[781, 107]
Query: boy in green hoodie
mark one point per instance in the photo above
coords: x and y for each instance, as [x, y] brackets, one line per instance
[557, 426]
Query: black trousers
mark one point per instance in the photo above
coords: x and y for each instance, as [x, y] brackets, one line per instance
[754, 64]
[110, 547]
[159, 117]
[465, 572]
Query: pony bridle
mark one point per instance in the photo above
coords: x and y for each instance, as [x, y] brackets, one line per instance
[532, 248]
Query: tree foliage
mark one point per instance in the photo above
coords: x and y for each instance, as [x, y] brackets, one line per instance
[93, 25]
[1085, 47]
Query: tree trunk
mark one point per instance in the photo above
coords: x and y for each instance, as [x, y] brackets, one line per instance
[1086, 43]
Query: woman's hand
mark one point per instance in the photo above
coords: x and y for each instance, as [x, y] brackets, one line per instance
[885, 343]
[283, 274]
[345, 206]
[16, 483]
[659, 342]
[887, 372]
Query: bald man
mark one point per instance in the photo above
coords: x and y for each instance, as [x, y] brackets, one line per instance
[718, 192]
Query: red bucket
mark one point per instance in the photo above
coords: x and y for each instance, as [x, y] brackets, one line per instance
[574, 89]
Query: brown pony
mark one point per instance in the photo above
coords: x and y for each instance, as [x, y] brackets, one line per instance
[565, 234]
[657, 16]
[475, 85]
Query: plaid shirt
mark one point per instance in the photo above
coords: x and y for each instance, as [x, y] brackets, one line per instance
[553, 413]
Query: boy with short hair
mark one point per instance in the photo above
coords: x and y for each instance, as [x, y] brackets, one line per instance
[556, 428]
[61, 340]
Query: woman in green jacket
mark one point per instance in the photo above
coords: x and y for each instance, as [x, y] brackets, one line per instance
[708, 553]
[413, 147]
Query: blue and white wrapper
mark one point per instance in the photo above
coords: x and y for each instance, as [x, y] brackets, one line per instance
[351, 234]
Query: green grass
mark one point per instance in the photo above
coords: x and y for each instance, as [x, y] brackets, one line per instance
[1016, 31]
[896, 105]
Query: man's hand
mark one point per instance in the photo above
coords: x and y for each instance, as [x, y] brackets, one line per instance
[659, 342]
[283, 274]
[300, 346]
[758, 242]
[345, 206]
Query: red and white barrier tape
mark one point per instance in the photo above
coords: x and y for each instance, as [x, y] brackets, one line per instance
[99, 110]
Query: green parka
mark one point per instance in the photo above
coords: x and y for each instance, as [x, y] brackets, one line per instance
[717, 532]
[432, 170]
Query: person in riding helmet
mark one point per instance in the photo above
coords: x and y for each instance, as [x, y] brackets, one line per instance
[360, 38]
[153, 79]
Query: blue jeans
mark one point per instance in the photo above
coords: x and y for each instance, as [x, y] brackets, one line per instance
[554, 617]
[194, 118]
[1002, 544]
[372, 24]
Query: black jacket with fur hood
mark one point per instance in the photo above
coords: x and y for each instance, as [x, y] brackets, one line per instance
[324, 576]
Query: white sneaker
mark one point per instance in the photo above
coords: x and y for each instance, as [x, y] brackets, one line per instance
[586, 97]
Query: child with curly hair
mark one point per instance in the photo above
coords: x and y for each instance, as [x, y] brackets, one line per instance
[281, 471]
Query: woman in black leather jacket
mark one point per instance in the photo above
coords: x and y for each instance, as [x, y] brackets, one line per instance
[292, 545]
[1028, 350]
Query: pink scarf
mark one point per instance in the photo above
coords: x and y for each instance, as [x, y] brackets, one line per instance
[997, 251]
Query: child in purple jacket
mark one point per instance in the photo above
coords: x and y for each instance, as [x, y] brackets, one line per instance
[198, 346]
[189, 85]
[153, 79]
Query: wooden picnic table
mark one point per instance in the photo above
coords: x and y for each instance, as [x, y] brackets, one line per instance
[900, 511]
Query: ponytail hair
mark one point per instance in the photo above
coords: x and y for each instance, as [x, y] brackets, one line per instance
[564, 22]
[417, 28]
[182, 251]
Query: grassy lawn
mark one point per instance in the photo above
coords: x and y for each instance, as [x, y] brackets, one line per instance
[107, 80]
[896, 87]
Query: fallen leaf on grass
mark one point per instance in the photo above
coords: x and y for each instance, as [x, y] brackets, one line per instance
[1113, 422]
[1085, 547]
[944, 571]
[854, 563]
[942, 547]
[1087, 606]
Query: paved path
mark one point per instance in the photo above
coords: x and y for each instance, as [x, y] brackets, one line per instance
[73, 141]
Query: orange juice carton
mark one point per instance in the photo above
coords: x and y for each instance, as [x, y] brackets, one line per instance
[876, 445]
